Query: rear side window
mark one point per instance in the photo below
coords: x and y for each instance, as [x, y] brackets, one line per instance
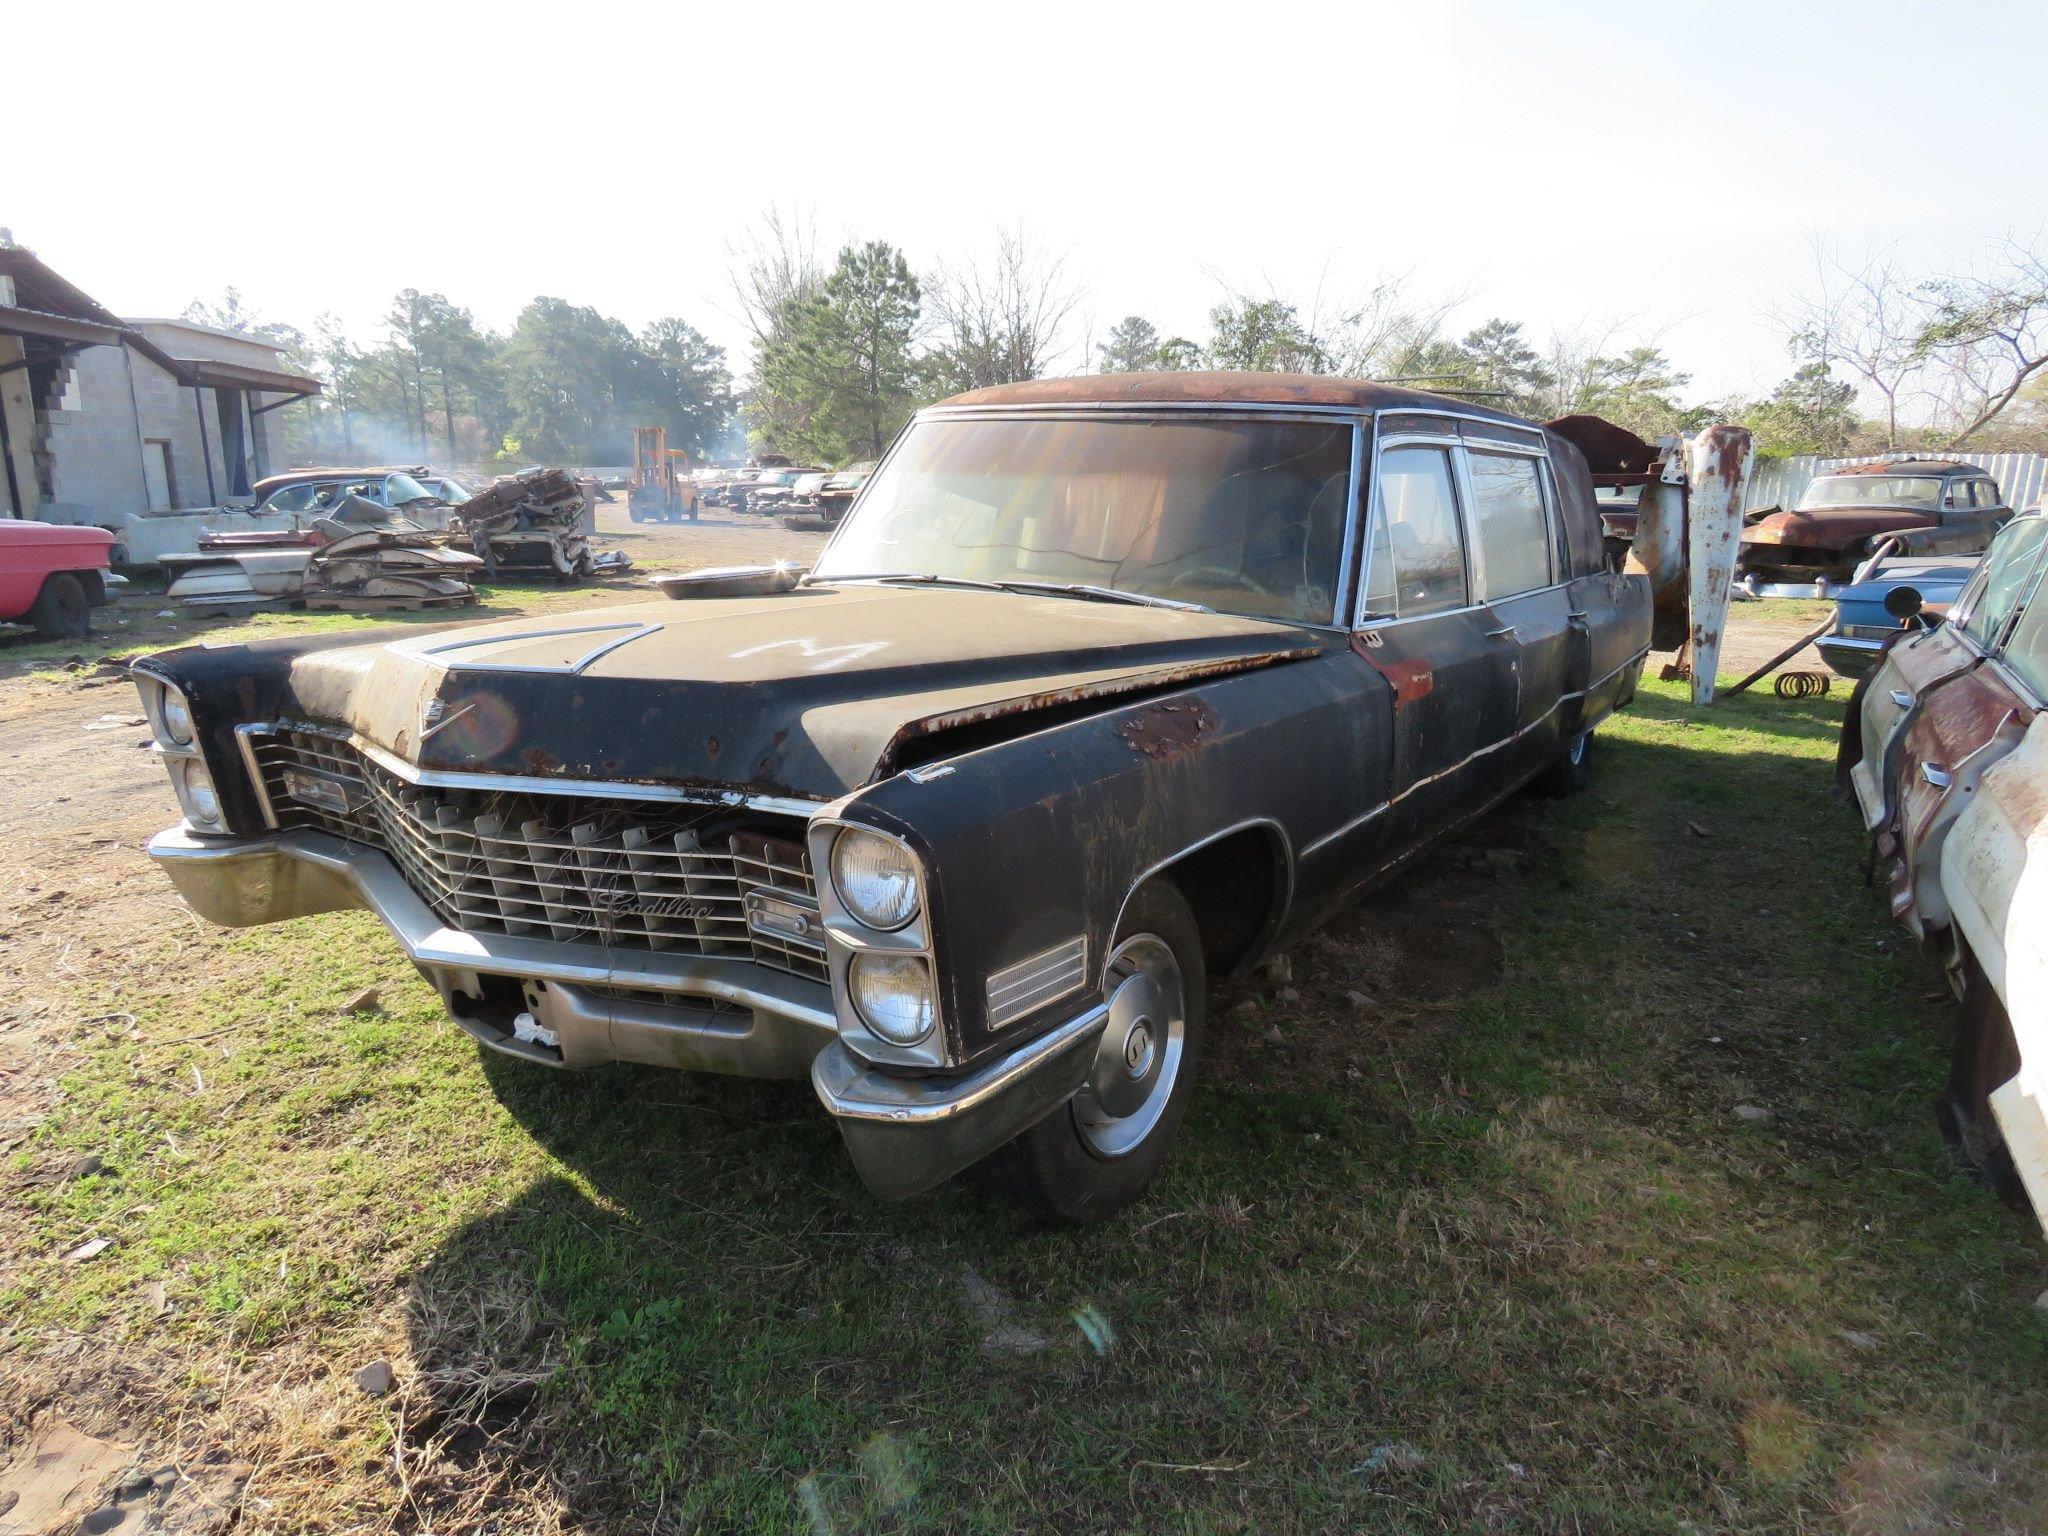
[2007, 570]
[1513, 528]
[1984, 492]
[1418, 555]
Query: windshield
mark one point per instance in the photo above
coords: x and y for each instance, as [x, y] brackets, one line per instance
[399, 489]
[1873, 491]
[1242, 516]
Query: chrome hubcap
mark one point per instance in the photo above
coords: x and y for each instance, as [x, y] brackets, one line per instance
[1138, 1060]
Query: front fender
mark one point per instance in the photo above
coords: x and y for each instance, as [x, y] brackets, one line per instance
[1040, 839]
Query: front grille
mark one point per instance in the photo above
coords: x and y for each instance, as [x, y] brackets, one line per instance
[639, 874]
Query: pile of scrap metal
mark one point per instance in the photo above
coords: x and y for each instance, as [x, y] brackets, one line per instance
[360, 556]
[532, 524]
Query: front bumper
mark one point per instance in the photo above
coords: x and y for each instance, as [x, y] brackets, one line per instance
[561, 1004]
[1849, 655]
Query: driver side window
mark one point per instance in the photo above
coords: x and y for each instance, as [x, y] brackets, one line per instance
[2003, 580]
[1418, 550]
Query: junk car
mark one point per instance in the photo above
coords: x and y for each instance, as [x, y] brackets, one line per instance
[1945, 753]
[1924, 506]
[53, 575]
[1103, 686]
[1885, 595]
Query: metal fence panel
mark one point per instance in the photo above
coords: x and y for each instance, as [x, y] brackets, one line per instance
[2022, 476]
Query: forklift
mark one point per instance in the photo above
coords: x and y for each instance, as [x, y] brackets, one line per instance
[660, 489]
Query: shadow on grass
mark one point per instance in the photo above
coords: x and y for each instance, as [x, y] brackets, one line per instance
[1485, 1249]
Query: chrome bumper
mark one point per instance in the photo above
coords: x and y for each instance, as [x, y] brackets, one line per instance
[1849, 655]
[906, 1135]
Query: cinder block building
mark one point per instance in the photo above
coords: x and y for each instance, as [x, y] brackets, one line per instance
[106, 421]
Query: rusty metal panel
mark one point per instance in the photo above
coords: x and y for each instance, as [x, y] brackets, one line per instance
[1718, 462]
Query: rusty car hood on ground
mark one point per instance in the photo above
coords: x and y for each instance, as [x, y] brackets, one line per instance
[807, 694]
[1833, 527]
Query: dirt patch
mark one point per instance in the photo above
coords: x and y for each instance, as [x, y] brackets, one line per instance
[1323, 1016]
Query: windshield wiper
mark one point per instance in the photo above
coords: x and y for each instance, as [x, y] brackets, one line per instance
[918, 578]
[1102, 594]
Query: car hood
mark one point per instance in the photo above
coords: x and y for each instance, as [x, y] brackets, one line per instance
[1833, 527]
[805, 694]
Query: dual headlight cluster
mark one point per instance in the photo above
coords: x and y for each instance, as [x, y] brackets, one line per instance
[876, 881]
[177, 739]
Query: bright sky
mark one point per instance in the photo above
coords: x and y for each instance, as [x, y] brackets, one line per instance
[1566, 164]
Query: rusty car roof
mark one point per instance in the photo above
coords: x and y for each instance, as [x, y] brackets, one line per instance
[1907, 464]
[1221, 387]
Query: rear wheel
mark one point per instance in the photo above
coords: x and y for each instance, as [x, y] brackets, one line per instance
[1986, 1055]
[1571, 772]
[61, 611]
[1096, 1154]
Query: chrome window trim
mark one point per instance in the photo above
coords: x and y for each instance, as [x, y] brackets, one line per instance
[1551, 579]
[1449, 446]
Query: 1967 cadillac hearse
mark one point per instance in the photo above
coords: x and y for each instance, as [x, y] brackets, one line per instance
[1104, 685]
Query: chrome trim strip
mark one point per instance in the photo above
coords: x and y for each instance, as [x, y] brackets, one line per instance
[1037, 980]
[1443, 773]
[245, 739]
[421, 651]
[519, 783]
[1287, 863]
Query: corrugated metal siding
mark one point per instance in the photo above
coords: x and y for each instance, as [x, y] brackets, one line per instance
[2022, 476]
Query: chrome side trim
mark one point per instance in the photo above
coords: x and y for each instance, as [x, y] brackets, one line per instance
[1037, 980]
[1486, 751]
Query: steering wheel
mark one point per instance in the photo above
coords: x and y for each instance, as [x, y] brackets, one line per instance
[1216, 576]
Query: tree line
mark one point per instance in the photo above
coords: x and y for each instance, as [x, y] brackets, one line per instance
[842, 349]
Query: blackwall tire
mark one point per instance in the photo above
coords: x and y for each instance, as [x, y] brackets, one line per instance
[1097, 1153]
[61, 611]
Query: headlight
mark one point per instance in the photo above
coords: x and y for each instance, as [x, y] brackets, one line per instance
[894, 995]
[875, 879]
[202, 800]
[177, 718]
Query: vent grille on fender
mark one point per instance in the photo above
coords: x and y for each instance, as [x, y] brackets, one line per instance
[644, 874]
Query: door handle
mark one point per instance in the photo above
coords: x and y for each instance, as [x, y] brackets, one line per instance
[1502, 633]
[1902, 698]
[1577, 613]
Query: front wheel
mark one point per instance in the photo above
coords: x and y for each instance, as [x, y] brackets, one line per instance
[61, 611]
[1096, 1154]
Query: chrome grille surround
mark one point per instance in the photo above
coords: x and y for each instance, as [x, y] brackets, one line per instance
[641, 874]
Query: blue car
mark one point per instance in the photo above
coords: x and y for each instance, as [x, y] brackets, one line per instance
[1863, 622]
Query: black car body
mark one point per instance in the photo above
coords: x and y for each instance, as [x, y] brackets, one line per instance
[1104, 684]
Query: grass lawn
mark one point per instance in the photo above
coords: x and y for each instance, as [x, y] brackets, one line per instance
[1463, 1233]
